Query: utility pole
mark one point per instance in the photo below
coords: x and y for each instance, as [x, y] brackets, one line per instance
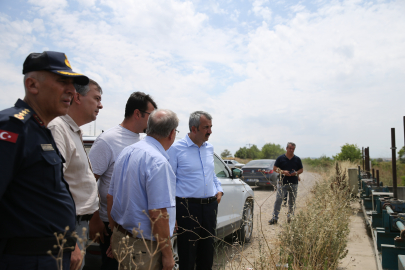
[249, 144]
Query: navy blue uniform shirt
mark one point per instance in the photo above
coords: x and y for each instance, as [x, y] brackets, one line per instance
[35, 200]
[286, 164]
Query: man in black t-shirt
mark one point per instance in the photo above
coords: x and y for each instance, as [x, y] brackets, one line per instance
[289, 166]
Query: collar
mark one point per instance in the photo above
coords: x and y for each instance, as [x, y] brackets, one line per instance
[72, 124]
[22, 104]
[157, 144]
[191, 143]
[289, 158]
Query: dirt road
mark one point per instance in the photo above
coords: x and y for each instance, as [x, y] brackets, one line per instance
[234, 257]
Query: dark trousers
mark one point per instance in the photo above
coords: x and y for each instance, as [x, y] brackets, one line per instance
[197, 224]
[107, 263]
[43, 262]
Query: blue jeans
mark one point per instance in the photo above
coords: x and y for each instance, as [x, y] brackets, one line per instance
[281, 191]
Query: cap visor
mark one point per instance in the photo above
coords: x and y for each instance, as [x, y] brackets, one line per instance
[77, 77]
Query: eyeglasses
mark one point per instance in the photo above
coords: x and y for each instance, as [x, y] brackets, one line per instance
[144, 112]
[177, 131]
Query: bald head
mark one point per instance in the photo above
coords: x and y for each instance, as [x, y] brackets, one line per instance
[161, 123]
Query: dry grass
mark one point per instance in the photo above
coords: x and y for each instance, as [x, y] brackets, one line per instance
[61, 241]
[317, 236]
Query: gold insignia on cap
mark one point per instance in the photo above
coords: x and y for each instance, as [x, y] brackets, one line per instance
[67, 62]
[69, 73]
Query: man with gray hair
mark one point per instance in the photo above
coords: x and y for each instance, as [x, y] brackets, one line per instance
[143, 187]
[77, 169]
[198, 193]
[289, 166]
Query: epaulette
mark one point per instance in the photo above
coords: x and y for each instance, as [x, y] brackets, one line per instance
[22, 114]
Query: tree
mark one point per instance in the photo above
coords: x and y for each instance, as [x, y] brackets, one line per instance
[401, 154]
[226, 153]
[349, 152]
[272, 151]
[253, 152]
[241, 153]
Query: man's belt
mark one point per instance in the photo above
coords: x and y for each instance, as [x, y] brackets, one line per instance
[84, 217]
[198, 200]
[37, 246]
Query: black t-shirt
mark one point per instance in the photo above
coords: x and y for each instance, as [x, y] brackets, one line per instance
[286, 164]
[35, 200]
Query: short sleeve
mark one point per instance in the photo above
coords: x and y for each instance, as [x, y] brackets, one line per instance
[278, 161]
[159, 186]
[100, 156]
[300, 164]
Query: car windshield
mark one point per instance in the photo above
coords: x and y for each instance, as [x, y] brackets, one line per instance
[264, 163]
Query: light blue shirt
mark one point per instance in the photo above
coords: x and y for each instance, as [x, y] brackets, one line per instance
[142, 180]
[194, 169]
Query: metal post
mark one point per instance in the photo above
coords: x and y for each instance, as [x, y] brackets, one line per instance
[378, 178]
[394, 163]
[367, 162]
[362, 156]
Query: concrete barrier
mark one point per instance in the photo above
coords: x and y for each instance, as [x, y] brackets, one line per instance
[353, 181]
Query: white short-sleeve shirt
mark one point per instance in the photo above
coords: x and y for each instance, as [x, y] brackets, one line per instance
[103, 154]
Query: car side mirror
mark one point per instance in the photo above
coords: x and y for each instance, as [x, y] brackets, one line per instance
[237, 173]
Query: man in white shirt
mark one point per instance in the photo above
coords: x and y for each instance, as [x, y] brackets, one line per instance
[77, 168]
[106, 150]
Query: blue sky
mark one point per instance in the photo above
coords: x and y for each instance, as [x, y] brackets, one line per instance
[319, 73]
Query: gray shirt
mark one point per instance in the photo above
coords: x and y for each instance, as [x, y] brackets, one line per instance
[103, 154]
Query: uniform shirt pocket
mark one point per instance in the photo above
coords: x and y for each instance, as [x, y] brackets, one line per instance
[53, 168]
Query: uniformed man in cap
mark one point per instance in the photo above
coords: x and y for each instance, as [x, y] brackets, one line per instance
[35, 201]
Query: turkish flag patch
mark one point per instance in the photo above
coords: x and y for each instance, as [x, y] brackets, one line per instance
[8, 136]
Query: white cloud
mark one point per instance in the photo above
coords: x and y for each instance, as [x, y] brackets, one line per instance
[320, 78]
[260, 10]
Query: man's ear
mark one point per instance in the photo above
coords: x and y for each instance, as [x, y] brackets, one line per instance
[137, 114]
[77, 98]
[193, 129]
[172, 134]
[31, 85]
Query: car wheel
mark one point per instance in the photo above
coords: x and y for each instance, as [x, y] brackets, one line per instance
[175, 252]
[244, 233]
